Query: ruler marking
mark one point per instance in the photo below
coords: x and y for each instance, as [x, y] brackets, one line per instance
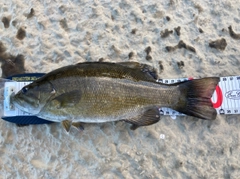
[235, 101]
[225, 84]
[223, 88]
[221, 84]
[238, 81]
[231, 101]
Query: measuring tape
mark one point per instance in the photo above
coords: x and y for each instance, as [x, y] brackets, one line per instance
[225, 99]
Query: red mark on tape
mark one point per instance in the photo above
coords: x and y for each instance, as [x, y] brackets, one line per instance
[219, 101]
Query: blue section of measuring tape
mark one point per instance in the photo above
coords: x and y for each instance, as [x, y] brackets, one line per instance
[25, 120]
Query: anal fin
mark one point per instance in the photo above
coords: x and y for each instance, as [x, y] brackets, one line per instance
[149, 117]
[78, 126]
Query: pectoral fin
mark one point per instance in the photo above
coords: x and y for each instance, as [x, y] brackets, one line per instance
[67, 125]
[78, 125]
[150, 116]
[68, 99]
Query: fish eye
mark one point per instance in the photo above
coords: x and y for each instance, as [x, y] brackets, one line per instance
[24, 90]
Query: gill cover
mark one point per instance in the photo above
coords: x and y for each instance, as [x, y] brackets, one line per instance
[31, 98]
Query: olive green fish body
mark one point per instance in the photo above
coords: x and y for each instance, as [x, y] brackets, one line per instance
[103, 99]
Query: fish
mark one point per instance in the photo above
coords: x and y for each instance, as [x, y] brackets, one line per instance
[97, 92]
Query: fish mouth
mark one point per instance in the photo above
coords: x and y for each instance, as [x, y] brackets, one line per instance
[22, 105]
[16, 102]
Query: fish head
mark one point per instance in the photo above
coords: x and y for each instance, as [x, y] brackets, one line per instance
[33, 97]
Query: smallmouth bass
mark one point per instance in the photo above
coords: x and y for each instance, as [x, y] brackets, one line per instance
[96, 92]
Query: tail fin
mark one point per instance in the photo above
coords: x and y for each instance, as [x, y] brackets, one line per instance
[195, 98]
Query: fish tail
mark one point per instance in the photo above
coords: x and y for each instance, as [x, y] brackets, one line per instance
[195, 98]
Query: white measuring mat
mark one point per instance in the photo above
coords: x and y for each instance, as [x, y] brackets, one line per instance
[226, 98]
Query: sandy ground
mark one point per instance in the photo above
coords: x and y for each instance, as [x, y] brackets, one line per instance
[59, 33]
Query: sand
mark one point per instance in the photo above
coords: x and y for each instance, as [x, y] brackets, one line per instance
[52, 34]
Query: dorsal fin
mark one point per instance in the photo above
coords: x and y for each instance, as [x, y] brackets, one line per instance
[129, 70]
